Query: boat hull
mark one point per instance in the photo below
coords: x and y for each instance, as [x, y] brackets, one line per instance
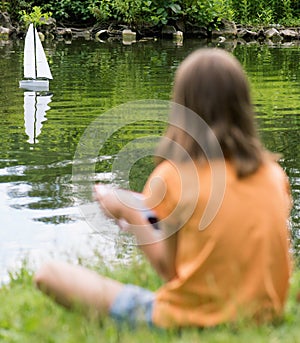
[35, 85]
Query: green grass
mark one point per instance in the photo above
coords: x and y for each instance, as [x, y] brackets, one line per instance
[26, 315]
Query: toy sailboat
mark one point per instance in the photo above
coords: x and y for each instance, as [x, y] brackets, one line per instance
[36, 68]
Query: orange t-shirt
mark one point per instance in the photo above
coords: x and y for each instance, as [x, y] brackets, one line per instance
[237, 265]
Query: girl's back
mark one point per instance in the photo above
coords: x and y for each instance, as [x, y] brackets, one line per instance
[239, 264]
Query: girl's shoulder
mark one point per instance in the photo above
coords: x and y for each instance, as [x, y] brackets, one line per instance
[166, 169]
[278, 175]
[274, 171]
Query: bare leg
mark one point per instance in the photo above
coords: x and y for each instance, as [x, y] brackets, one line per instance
[71, 286]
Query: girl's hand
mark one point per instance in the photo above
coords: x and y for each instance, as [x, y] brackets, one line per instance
[107, 200]
[109, 203]
[127, 208]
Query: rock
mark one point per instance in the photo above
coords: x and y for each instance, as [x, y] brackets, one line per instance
[65, 33]
[178, 38]
[48, 26]
[289, 34]
[180, 25]
[270, 33]
[247, 35]
[167, 31]
[261, 35]
[6, 28]
[226, 29]
[114, 30]
[81, 33]
[195, 31]
[273, 35]
[128, 37]
[42, 36]
[5, 21]
[101, 35]
[4, 32]
[127, 33]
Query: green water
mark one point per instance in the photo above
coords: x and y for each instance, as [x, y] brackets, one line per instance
[39, 202]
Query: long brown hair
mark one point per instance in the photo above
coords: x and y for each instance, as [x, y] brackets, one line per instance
[212, 84]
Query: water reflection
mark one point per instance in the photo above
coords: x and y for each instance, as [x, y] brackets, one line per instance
[35, 106]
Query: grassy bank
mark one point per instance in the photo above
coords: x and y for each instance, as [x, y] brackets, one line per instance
[28, 316]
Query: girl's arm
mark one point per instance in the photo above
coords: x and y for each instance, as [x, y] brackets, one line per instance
[157, 245]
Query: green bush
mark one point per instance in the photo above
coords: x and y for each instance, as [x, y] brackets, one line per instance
[284, 12]
[160, 12]
[15, 7]
[37, 17]
[200, 12]
[137, 12]
[127, 11]
[205, 12]
[75, 11]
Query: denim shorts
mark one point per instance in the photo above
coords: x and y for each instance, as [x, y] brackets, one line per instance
[133, 306]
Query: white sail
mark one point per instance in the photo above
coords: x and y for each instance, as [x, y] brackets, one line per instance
[42, 66]
[29, 60]
[35, 61]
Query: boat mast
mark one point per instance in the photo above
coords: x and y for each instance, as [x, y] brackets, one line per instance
[34, 53]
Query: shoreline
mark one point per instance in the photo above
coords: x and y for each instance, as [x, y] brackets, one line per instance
[227, 31]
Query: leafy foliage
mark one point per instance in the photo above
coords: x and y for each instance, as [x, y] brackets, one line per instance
[36, 16]
[266, 12]
[69, 10]
[162, 12]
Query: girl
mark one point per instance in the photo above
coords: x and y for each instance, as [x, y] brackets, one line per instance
[221, 203]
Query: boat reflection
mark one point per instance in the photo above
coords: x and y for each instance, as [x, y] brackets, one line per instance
[36, 104]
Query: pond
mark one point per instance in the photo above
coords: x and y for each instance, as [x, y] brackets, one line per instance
[41, 207]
